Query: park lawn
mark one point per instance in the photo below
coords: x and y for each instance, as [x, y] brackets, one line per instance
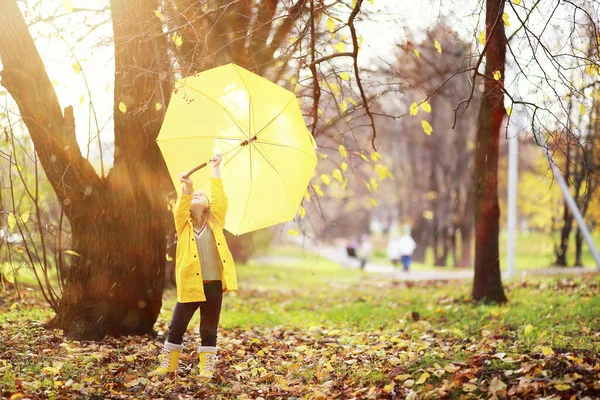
[314, 330]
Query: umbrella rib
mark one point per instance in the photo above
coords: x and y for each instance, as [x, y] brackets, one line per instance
[284, 145]
[250, 114]
[274, 169]
[202, 137]
[235, 121]
[275, 117]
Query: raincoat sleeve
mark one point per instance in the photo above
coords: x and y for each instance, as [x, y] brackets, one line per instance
[218, 201]
[181, 211]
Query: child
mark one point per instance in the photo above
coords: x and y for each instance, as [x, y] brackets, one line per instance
[204, 270]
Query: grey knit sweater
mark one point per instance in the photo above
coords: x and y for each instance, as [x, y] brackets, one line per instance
[210, 262]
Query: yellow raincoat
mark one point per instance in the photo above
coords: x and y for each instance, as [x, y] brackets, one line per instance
[188, 274]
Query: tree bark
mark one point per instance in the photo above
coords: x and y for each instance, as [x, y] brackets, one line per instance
[118, 223]
[487, 285]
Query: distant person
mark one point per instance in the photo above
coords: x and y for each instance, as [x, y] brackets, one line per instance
[401, 249]
[365, 251]
[351, 249]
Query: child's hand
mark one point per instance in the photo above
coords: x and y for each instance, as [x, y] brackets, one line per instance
[216, 160]
[188, 184]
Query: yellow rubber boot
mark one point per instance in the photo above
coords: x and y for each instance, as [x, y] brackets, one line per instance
[168, 359]
[207, 362]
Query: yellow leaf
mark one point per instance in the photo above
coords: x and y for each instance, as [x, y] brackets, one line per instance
[353, 3]
[293, 232]
[343, 106]
[375, 156]
[426, 127]
[292, 39]
[469, 387]
[383, 172]
[177, 39]
[330, 25]
[437, 46]
[337, 174]
[325, 178]
[374, 184]
[81, 100]
[345, 76]
[318, 190]
[417, 53]
[481, 37]
[73, 253]
[340, 47]
[302, 212]
[547, 350]
[509, 111]
[517, 2]
[363, 157]
[352, 101]
[414, 109]
[562, 386]
[158, 106]
[423, 378]
[159, 15]
[368, 186]
[122, 107]
[25, 217]
[426, 106]
[77, 67]
[67, 5]
[505, 19]
[389, 388]
[307, 196]
[343, 151]
[360, 41]
[428, 214]
[371, 1]
[497, 75]
[373, 201]
[12, 221]
[582, 109]
[344, 166]
[527, 330]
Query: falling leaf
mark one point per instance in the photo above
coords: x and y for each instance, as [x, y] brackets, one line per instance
[417, 53]
[307, 196]
[374, 184]
[517, 2]
[340, 47]
[426, 127]
[25, 217]
[343, 151]
[122, 107]
[330, 25]
[368, 186]
[363, 157]
[345, 76]
[158, 106]
[505, 19]
[325, 178]
[375, 156]
[177, 39]
[582, 109]
[422, 379]
[67, 5]
[414, 109]
[318, 190]
[481, 37]
[352, 101]
[302, 212]
[383, 172]
[344, 166]
[159, 15]
[426, 106]
[497, 75]
[293, 232]
[12, 221]
[373, 201]
[437, 46]
[73, 253]
[77, 67]
[337, 174]
[509, 111]
[81, 100]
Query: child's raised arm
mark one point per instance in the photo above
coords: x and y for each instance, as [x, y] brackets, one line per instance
[218, 200]
[181, 211]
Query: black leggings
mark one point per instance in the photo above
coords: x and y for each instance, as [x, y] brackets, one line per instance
[210, 311]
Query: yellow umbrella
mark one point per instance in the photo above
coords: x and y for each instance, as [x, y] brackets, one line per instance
[268, 154]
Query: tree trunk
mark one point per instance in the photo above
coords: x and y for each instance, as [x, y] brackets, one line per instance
[420, 234]
[118, 223]
[578, 248]
[466, 239]
[487, 285]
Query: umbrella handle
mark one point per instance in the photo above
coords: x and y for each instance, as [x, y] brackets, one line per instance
[204, 164]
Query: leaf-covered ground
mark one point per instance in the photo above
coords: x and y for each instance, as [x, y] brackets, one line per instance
[319, 332]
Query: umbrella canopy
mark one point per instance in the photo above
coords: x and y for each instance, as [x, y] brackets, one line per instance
[268, 154]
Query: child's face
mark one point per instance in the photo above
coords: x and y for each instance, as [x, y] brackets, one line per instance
[199, 201]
